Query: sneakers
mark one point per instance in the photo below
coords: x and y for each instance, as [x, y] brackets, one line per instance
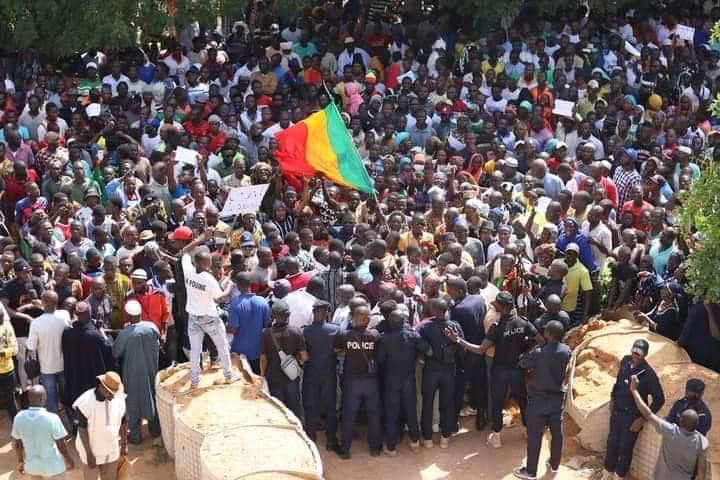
[550, 468]
[344, 454]
[389, 453]
[494, 440]
[444, 442]
[468, 412]
[522, 473]
[427, 443]
[331, 445]
[414, 445]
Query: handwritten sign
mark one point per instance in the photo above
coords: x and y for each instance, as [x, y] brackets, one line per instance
[244, 200]
[685, 32]
[564, 108]
[185, 155]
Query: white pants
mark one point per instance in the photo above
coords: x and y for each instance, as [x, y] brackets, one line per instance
[22, 351]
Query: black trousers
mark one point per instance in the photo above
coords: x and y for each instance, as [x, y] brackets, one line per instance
[320, 391]
[472, 374]
[400, 398]
[437, 377]
[544, 411]
[504, 378]
[356, 393]
[620, 443]
[7, 393]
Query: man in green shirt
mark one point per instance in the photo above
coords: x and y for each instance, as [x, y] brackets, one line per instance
[578, 287]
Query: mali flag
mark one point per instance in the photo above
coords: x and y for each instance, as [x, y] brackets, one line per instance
[321, 143]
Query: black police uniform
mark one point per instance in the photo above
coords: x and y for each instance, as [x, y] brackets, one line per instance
[621, 440]
[360, 385]
[704, 415]
[512, 336]
[396, 353]
[320, 379]
[469, 313]
[439, 373]
[545, 399]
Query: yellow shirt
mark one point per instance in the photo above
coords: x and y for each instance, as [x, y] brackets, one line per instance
[8, 346]
[577, 281]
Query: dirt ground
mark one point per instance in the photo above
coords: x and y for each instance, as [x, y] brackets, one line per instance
[467, 458]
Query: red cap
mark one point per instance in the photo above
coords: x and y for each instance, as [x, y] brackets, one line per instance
[182, 234]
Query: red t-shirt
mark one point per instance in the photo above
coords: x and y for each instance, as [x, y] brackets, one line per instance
[638, 221]
[196, 130]
[15, 189]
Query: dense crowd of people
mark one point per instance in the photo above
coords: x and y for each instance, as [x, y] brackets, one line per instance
[526, 178]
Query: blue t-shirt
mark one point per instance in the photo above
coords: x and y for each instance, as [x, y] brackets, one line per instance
[249, 315]
[38, 430]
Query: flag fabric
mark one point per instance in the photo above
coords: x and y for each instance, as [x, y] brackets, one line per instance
[321, 144]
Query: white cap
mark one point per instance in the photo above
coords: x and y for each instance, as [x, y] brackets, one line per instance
[139, 274]
[133, 308]
[91, 65]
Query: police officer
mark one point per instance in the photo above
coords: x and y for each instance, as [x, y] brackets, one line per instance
[694, 390]
[439, 372]
[319, 378]
[469, 312]
[396, 354]
[360, 381]
[545, 398]
[511, 335]
[625, 419]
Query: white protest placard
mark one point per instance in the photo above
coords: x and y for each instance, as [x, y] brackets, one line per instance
[685, 32]
[244, 199]
[185, 155]
[563, 108]
[84, 215]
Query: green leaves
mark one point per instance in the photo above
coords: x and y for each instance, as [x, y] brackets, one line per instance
[66, 27]
[701, 213]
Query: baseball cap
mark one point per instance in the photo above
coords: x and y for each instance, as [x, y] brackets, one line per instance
[246, 240]
[92, 192]
[641, 347]
[21, 265]
[133, 307]
[572, 247]
[505, 298]
[280, 306]
[139, 274]
[182, 234]
[91, 65]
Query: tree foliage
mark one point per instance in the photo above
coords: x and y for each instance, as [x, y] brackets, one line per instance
[65, 27]
[701, 212]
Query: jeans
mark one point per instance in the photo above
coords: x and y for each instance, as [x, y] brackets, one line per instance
[54, 383]
[504, 377]
[198, 326]
[541, 412]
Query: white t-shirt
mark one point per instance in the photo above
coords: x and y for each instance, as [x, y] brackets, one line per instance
[301, 308]
[602, 234]
[104, 420]
[45, 338]
[202, 290]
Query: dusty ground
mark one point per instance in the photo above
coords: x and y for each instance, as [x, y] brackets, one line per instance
[467, 458]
